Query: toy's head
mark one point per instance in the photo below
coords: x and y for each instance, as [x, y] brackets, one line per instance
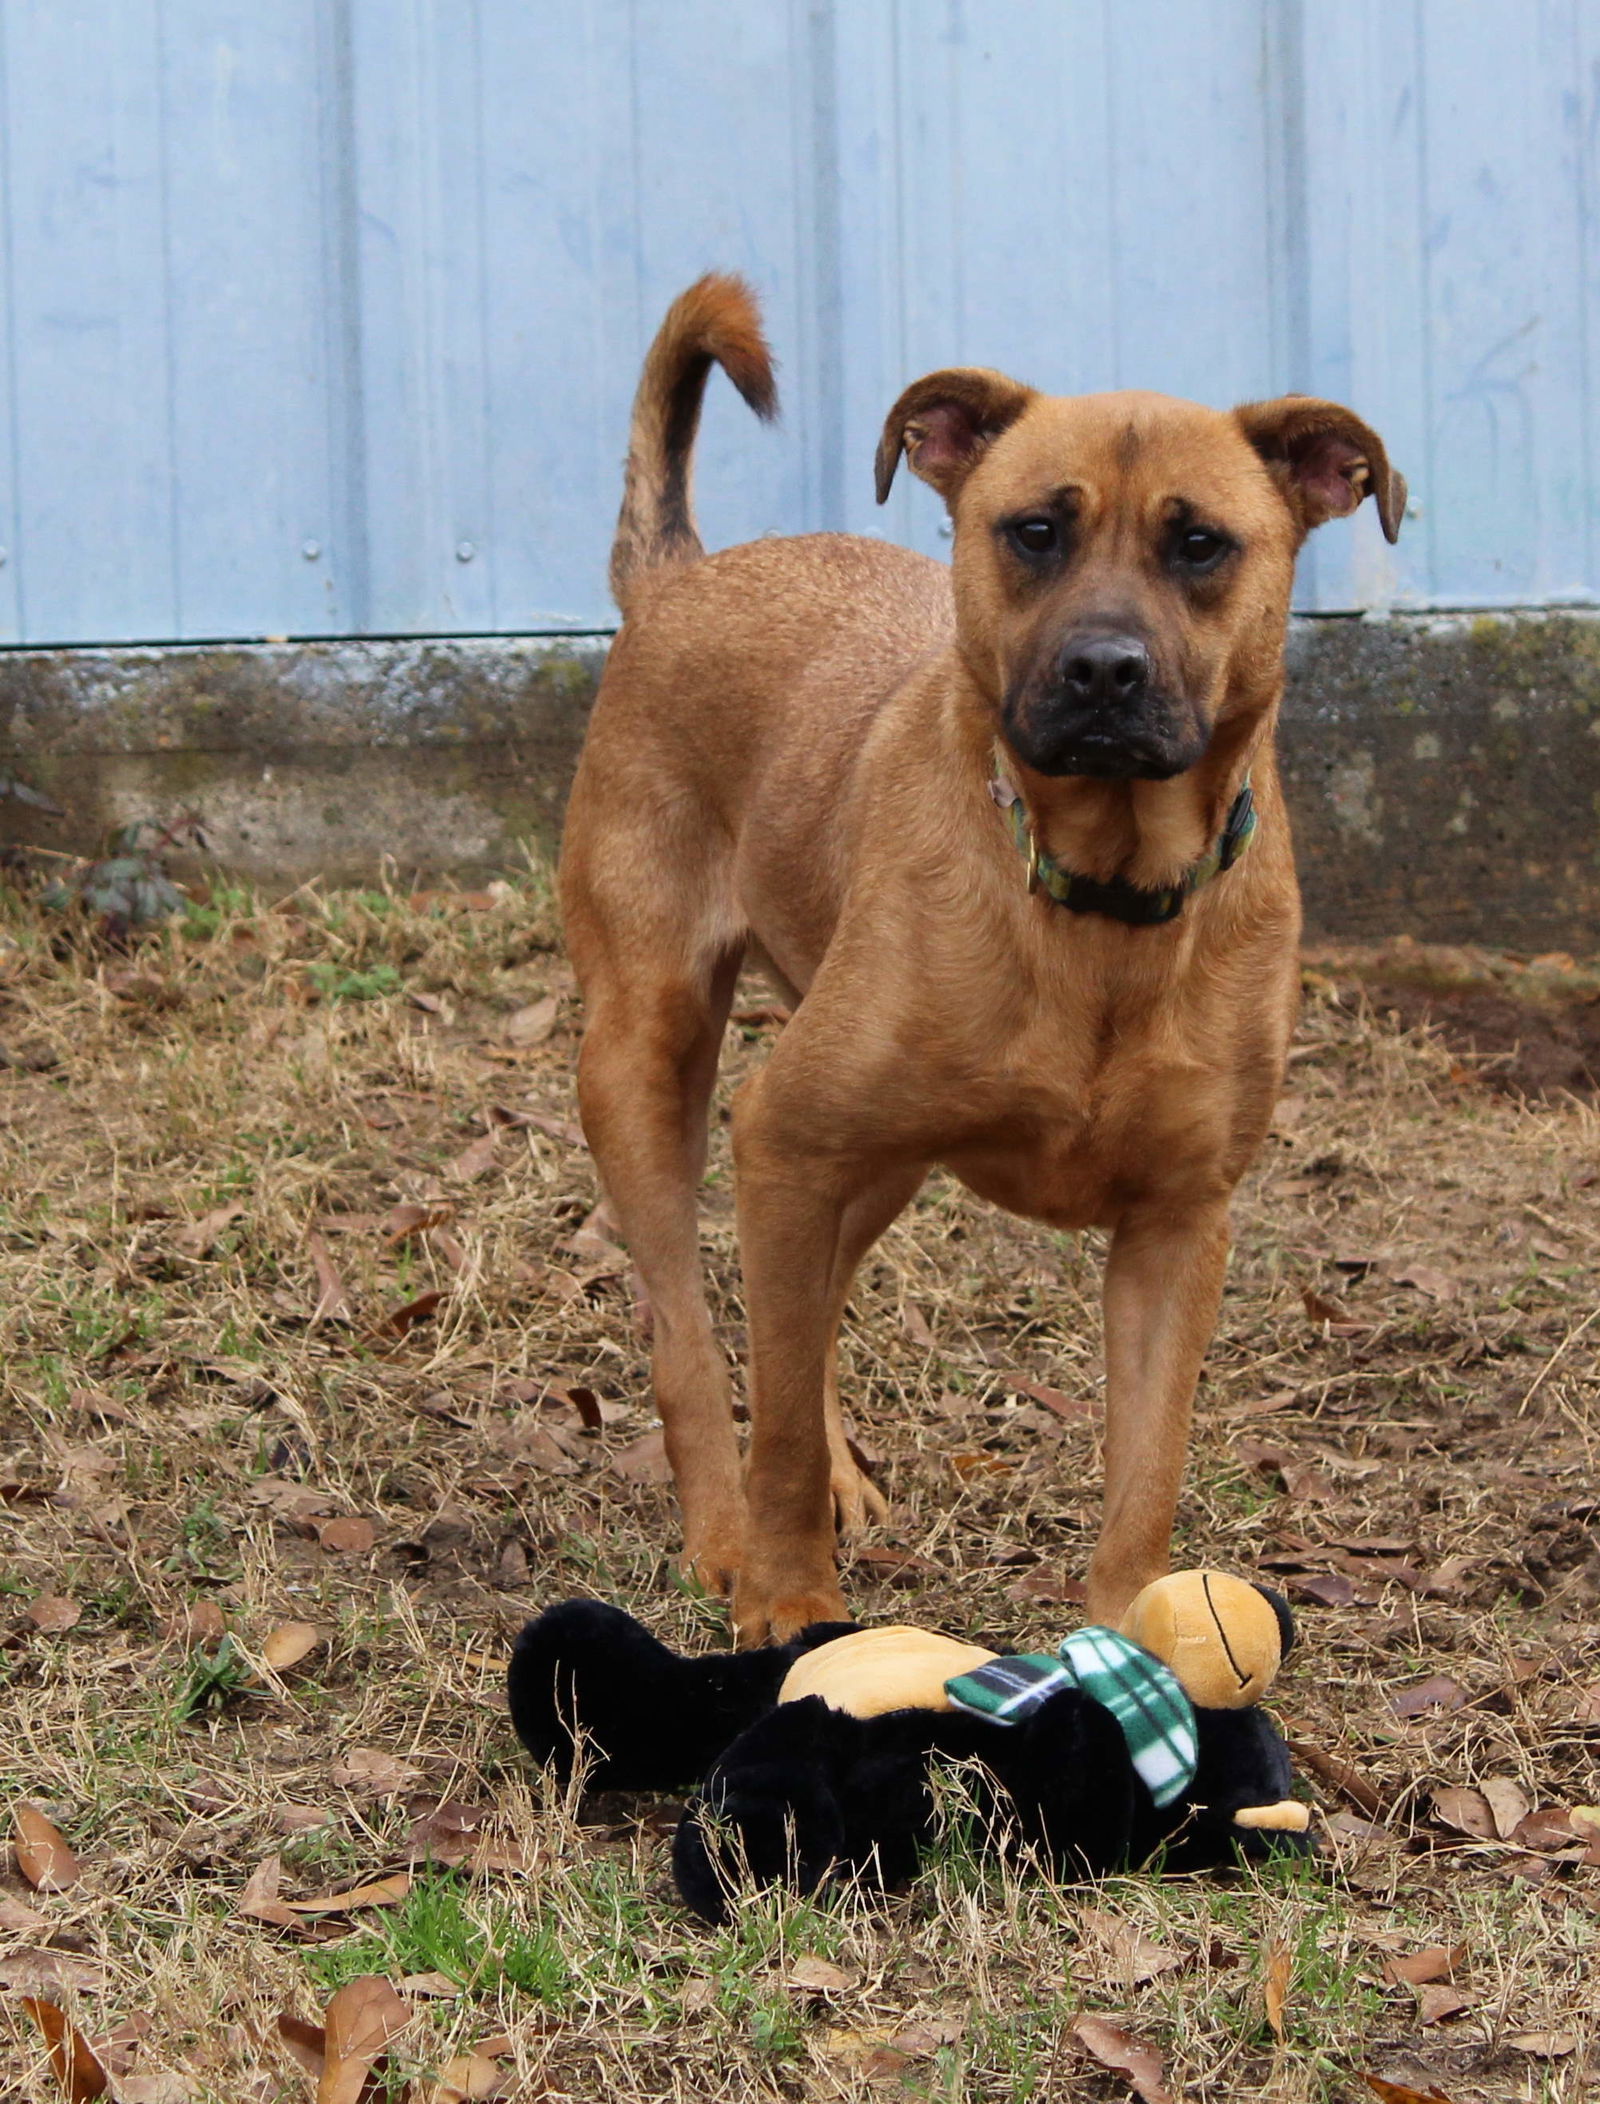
[1224, 1639]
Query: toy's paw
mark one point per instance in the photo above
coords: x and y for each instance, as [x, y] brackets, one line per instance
[763, 1615]
[858, 1503]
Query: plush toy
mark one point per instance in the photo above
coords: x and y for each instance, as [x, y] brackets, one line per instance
[812, 1758]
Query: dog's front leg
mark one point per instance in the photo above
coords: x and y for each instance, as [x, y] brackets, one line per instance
[1163, 1284]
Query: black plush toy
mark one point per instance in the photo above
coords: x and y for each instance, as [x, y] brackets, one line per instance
[812, 1758]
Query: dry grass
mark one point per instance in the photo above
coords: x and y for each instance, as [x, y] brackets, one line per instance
[178, 1424]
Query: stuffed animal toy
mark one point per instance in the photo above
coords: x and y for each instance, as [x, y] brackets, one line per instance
[812, 1758]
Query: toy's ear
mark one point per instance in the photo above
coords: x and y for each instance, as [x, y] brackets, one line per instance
[1287, 1633]
[1220, 1635]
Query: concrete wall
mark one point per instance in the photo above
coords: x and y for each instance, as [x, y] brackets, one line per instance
[1444, 771]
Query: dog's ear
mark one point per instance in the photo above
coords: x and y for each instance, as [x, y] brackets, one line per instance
[1324, 459]
[943, 422]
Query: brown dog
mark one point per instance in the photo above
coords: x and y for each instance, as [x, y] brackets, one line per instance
[1076, 1005]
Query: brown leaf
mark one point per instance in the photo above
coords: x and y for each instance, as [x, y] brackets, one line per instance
[1130, 1954]
[976, 1462]
[404, 1319]
[474, 1161]
[43, 1856]
[201, 1622]
[200, 1237]
[915, 1325]
[1544, 2045]
[305, 2042]
[95, 1404]
[1306, 1484]
[1328, 1588]
[1320, 1308]
[1439, 1691]
[1402, 2092]
[1423, 1967]
[432, 1986]
[289, 1643]
[893, 1566]
[924, 2037]
[1508, 1806]
[51, 1973]
[358, 2024]
[333, 1303]
[1547, 1827]
[817, 1976]
[1048, 1588]
[402, 1222]
[1275, 1985]
[259, 1900]
[643, 1461]
[1074, 1409]
[380, 1892]
[466, 2079]
[1436, 2003]
[52, 1614]
[766, 1015]
[532, 1025]
[1467, 1811]
[17, 1918]
[1116, 2048]
[80, 2074]
[351, 1536]
[365, 1768]
[1438, 1285]
[562, 1129]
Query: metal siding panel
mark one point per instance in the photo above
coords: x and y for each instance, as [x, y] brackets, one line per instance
[92, 501]
[244, 268]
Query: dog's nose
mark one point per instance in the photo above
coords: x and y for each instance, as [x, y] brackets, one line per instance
[1101, 669]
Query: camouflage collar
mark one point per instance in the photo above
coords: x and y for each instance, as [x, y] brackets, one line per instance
[1115, 897]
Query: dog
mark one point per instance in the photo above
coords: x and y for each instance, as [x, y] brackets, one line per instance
[1008, 834]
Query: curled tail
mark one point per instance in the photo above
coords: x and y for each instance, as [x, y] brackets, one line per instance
[715, 321]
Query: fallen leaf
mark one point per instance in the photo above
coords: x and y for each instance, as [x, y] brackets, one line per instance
[474, 1161]
[52, 1614]
[259, 1900]
[43, 1856]
[402, 1222]
[80, 2074]
[1546, 1827]
[1438, 1691]
[1402, 2092]
[532, 1025]
[200, 1237]
[1307, 1485]
[1422, 1967]
[1130, 1955]
[643, 1460]
[291, 1818]
[1467, 1811]
[1544, 2045]
[1436, 2003]
[201, 1622]
[434, 1986]
[766, 1015]
[1328, 1588]
[358, 2024]
[925, 2037]
[817, 1976]
[304, 2041]
[91, 1401]
[345, 1537]
[1275, 1986]
[1047, 1588]
[365, 1768]
[1508, 1805]
[1438, 1285]
[1320, 1308]
[467, 2079]
[333, 1304]
[1074, 1409]
[977, 1462]
[561, 1129]
[17, 1918]
[380, 1892]
[915, 1325]
[289, 1643]
[51, 1973]
[893, 1566]
[404, 1319]
[1116, 2048]
[162, 2088]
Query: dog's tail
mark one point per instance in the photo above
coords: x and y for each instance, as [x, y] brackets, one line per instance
[715, 321]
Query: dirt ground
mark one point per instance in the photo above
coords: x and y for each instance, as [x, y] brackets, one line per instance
[320, 1373]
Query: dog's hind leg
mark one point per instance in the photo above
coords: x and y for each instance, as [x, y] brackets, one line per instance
[645, 1077]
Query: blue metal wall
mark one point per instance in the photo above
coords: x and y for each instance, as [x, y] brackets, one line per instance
[322, 316]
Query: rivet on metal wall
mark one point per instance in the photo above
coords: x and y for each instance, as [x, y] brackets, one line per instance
[465, 551]
[311, 550]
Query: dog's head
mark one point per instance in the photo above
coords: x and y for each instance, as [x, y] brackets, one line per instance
[1123, 562]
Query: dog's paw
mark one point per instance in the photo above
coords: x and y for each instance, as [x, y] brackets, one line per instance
[713, 1560]
[773, 1617]
[858, 1503]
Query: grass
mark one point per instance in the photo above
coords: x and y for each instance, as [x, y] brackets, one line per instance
[195, 1134]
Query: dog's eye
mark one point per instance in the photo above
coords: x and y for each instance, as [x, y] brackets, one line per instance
[1035, 536]
[1198, 549]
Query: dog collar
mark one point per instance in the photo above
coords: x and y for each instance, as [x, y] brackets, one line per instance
[1115, 897]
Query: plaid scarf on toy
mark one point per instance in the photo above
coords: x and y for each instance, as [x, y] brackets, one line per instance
[1156, 1716]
